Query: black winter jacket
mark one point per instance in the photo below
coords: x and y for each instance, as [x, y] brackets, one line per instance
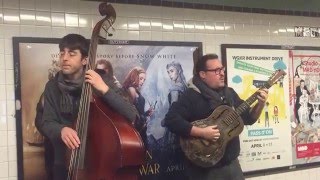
[193, 106]
[53, 120]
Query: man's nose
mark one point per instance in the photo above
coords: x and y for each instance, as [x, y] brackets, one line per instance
[65, 57]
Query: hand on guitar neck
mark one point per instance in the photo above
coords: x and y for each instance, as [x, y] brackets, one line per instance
[211, 133]
[263, 96]
[255, 111]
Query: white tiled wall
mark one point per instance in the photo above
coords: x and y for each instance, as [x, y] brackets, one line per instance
[55, 18]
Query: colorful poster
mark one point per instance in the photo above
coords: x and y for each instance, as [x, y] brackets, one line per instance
[304, 105]
[265, 144]
[166, 67]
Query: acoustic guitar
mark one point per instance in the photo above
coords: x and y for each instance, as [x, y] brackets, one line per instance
[206, 153]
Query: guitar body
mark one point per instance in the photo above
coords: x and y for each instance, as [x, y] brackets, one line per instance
[206, 153]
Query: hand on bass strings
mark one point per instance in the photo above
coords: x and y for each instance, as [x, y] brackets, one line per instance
[70, 138]
[96, 81]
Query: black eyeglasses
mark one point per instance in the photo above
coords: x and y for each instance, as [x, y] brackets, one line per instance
[217, 70]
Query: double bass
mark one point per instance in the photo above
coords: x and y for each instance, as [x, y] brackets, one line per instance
[111, 148]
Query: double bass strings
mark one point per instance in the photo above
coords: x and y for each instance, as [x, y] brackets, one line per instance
[83, 114]
[81, 126]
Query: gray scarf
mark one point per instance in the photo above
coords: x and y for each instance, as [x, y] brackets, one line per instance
[215, 97]
[70, 91]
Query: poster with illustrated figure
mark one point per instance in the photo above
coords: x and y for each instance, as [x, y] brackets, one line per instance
[154, 76]
[265, 144]
[304, 105]
[153, 73]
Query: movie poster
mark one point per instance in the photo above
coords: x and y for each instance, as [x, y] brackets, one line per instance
[38, 63]
[304, 105]
[163, 74]
[265, 144]
[162, 70]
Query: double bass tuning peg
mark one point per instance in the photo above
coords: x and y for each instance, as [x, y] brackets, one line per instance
[106, 29]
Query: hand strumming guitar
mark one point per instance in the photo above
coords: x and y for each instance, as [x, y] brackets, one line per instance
[211, 133]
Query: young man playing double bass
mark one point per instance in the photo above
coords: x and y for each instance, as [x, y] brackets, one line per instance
[62, 97]
[206, 91]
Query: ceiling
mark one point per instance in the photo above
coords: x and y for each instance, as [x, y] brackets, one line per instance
[298, 5]
[292, 5]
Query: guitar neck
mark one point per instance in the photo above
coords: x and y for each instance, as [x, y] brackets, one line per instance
[247, 103]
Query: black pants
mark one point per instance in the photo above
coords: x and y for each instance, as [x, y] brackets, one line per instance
[59, 166]
[231, 171]
[297, 107]
[48, 158]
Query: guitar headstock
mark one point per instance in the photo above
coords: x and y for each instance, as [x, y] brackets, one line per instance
[276, 76]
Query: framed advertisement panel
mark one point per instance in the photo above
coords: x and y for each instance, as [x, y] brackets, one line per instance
[36, 60]
[286, 135]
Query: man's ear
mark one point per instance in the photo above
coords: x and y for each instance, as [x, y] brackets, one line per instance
[202, 74]
[85, 61]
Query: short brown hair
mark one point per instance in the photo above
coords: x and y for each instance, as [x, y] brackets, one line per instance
[201, 64]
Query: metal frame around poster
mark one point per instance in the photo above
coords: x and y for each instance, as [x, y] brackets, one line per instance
[17, 41]
[293, 167]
